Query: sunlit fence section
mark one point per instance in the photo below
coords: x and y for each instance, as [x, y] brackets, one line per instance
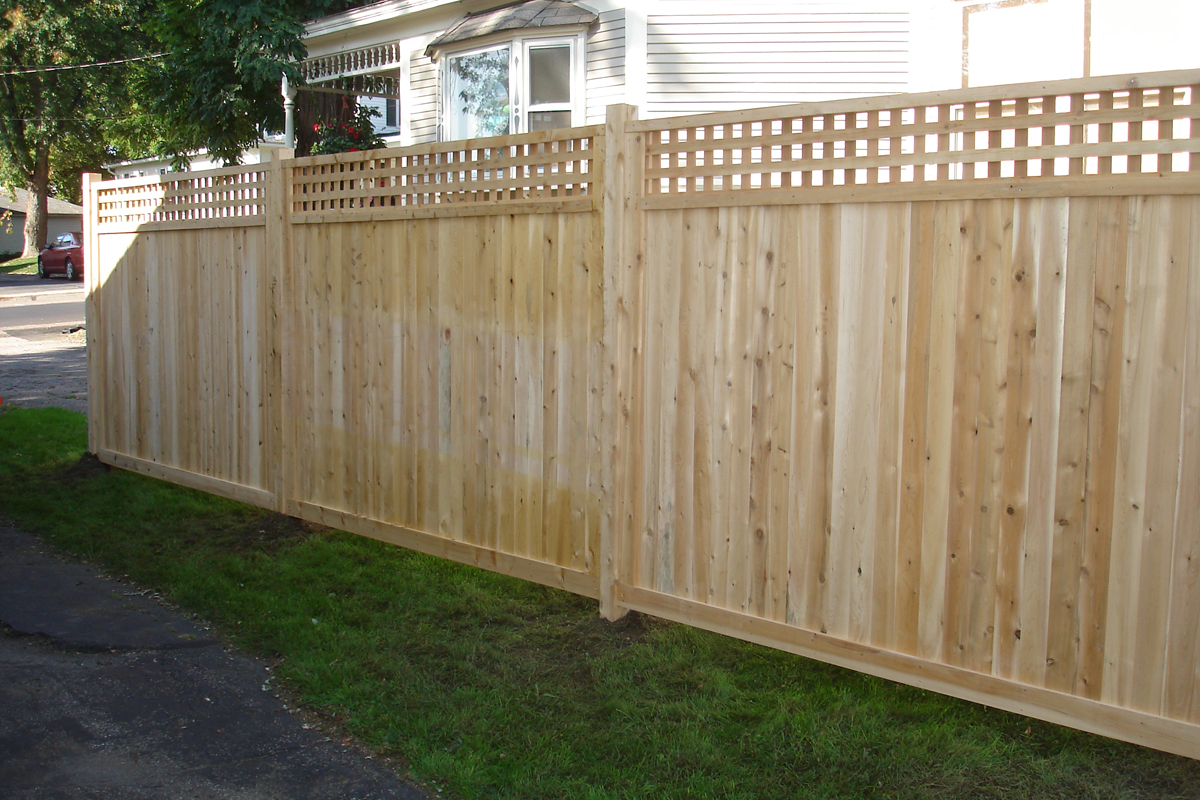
[909, 384]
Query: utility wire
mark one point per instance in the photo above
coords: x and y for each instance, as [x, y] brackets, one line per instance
[12, 69]
[65, 119]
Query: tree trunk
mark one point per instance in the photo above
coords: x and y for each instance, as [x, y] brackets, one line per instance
[35, 208]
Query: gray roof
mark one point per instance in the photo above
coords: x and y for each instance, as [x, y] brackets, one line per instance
[54, 206]
[521, 16]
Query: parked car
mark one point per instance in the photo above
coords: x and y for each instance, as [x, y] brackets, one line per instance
[63, 256]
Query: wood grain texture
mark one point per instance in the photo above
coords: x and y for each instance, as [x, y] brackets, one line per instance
[955, 458]
[181, 362]
[481, 325]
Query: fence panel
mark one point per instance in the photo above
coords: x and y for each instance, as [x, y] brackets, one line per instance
[444, 368]
[180, 330]
[926, 410]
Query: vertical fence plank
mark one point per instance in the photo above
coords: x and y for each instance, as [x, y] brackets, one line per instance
[765, 265]
[914, 459]
[965, 422]
[895, 222]
[1183, 623]
[1165, 355]
[1146, 293]
[946, 257]
[1068, 534]
[812, 434]
[783, 320]
[1050, 271]
[1108, 333]
[1013, 507]
[856, 432]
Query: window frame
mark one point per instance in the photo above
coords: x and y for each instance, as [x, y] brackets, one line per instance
[381, 127]
[519, 43]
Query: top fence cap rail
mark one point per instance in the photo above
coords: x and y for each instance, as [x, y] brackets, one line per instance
[177, 177]
[980, 94]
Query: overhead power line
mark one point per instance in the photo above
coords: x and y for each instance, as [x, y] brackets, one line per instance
[13, 69]
[64, 119]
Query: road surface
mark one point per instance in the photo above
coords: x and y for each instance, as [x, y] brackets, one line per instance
[43, 358]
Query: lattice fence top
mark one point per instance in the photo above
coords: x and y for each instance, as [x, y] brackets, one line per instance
[1106, 133]
[550, 170]
[184, 199]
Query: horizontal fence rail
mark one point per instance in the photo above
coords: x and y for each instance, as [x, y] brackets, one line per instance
[230, 194]
[907, 384]
[1032, 137]
[482, 175]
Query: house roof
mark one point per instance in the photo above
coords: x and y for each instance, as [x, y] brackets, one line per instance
[521, 16]
[54, 206]
[368, 14]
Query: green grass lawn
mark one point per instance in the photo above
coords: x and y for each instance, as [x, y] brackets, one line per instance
[19, 266]
[488, 687]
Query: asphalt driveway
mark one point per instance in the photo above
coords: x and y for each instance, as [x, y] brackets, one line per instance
[107, 693]
[43, 358]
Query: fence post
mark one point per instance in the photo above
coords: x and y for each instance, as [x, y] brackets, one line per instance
[621, 385]
[279, 242]
[91, 278]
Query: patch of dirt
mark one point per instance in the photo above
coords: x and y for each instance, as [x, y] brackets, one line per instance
[86, 468]
[268, 533]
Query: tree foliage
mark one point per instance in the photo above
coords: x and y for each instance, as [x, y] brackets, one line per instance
[211, 82]
[218, 85]
[42, 108]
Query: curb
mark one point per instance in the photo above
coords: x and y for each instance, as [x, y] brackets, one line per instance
[35, 295]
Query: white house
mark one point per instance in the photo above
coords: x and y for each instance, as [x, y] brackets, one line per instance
[471, 67]
[447, 69]
[438, 70]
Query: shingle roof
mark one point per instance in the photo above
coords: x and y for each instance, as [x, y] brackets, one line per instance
[530, 14]
[54, 206]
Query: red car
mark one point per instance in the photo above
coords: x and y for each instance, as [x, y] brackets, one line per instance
[63, 256]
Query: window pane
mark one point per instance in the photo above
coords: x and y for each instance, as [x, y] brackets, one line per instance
[548, 120]
[549, 75]
[478, 95]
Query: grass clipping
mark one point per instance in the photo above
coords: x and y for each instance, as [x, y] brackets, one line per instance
[485, 686]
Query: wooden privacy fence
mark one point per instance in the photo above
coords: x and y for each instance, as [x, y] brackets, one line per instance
[909, 384]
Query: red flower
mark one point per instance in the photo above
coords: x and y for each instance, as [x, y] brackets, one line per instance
[353, 149]
[317, 127]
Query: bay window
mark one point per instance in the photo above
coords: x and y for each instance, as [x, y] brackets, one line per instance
[514, 86]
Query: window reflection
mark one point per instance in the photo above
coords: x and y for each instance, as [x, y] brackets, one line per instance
[478, 94]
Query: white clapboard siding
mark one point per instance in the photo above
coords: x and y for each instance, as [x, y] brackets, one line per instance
[605, 65]
[423, 78]
[718, 62]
